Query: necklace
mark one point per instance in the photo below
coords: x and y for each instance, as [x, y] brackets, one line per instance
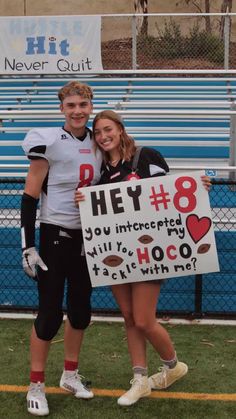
[114, 161]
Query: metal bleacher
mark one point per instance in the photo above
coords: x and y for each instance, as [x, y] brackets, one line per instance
[190, 120]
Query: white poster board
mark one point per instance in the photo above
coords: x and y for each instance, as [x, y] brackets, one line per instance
[148, 229]
[50, 44]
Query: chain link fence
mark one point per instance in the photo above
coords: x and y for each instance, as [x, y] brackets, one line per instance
[194, 41]
[212, 294]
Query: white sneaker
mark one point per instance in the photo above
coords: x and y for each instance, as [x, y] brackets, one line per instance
[167, 376]
[36, 401]
[71, 381]
[139, 388]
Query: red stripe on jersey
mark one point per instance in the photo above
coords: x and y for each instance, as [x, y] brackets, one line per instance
[115, 175]
[85, 151]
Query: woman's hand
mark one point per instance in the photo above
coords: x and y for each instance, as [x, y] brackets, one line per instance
[79, 197]
[206, 181]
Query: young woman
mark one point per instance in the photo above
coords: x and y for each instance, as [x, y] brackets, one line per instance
[138, 300]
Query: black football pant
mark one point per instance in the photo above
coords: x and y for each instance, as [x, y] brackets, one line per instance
[62, 251]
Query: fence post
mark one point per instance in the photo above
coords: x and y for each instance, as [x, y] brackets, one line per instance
[134, 43]
[226, 42]
[232, 155]
[198, 296]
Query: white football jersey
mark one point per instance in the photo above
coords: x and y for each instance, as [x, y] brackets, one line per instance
[72, 163]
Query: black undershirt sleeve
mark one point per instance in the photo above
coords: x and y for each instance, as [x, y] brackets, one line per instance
[28, 218]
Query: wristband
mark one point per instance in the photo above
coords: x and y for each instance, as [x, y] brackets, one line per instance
[28, 218]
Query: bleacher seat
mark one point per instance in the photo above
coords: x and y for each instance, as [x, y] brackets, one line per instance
[187, 119]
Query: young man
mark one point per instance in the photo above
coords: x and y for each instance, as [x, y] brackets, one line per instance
[61, 159]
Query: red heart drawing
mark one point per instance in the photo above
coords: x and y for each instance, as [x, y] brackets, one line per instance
[197, 227]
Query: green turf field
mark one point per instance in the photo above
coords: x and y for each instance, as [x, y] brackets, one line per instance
[209, 352]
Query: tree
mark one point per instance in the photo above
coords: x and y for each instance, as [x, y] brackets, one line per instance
[207, 10]
[141, 6]
[226, 7]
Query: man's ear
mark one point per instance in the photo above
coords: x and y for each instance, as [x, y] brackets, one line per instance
[61, 107]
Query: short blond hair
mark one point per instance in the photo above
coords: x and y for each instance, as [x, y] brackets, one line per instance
[75, 88]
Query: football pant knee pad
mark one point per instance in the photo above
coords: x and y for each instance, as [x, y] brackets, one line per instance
[80, 320]
[47, 326]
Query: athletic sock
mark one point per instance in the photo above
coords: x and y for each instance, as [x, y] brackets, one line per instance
[171, 363]
[37, 376]
[70, 365]
[137, 370]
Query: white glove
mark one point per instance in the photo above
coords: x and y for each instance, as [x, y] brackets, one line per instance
[30, 260]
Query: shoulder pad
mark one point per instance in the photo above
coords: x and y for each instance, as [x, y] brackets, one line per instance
[37, 141]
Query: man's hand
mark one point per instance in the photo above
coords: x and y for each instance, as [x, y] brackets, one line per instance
[30, 260]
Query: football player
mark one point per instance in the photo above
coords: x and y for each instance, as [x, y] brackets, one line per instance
[61, 159]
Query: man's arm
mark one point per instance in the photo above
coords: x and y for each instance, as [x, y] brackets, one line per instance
[33, 186]
[37, 172]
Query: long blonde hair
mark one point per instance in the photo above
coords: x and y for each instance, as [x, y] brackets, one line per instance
[127, 145]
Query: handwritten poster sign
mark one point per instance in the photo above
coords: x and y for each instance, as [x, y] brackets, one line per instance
[148, 229]
[50, 44]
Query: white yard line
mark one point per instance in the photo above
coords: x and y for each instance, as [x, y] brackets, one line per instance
[216, 322]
